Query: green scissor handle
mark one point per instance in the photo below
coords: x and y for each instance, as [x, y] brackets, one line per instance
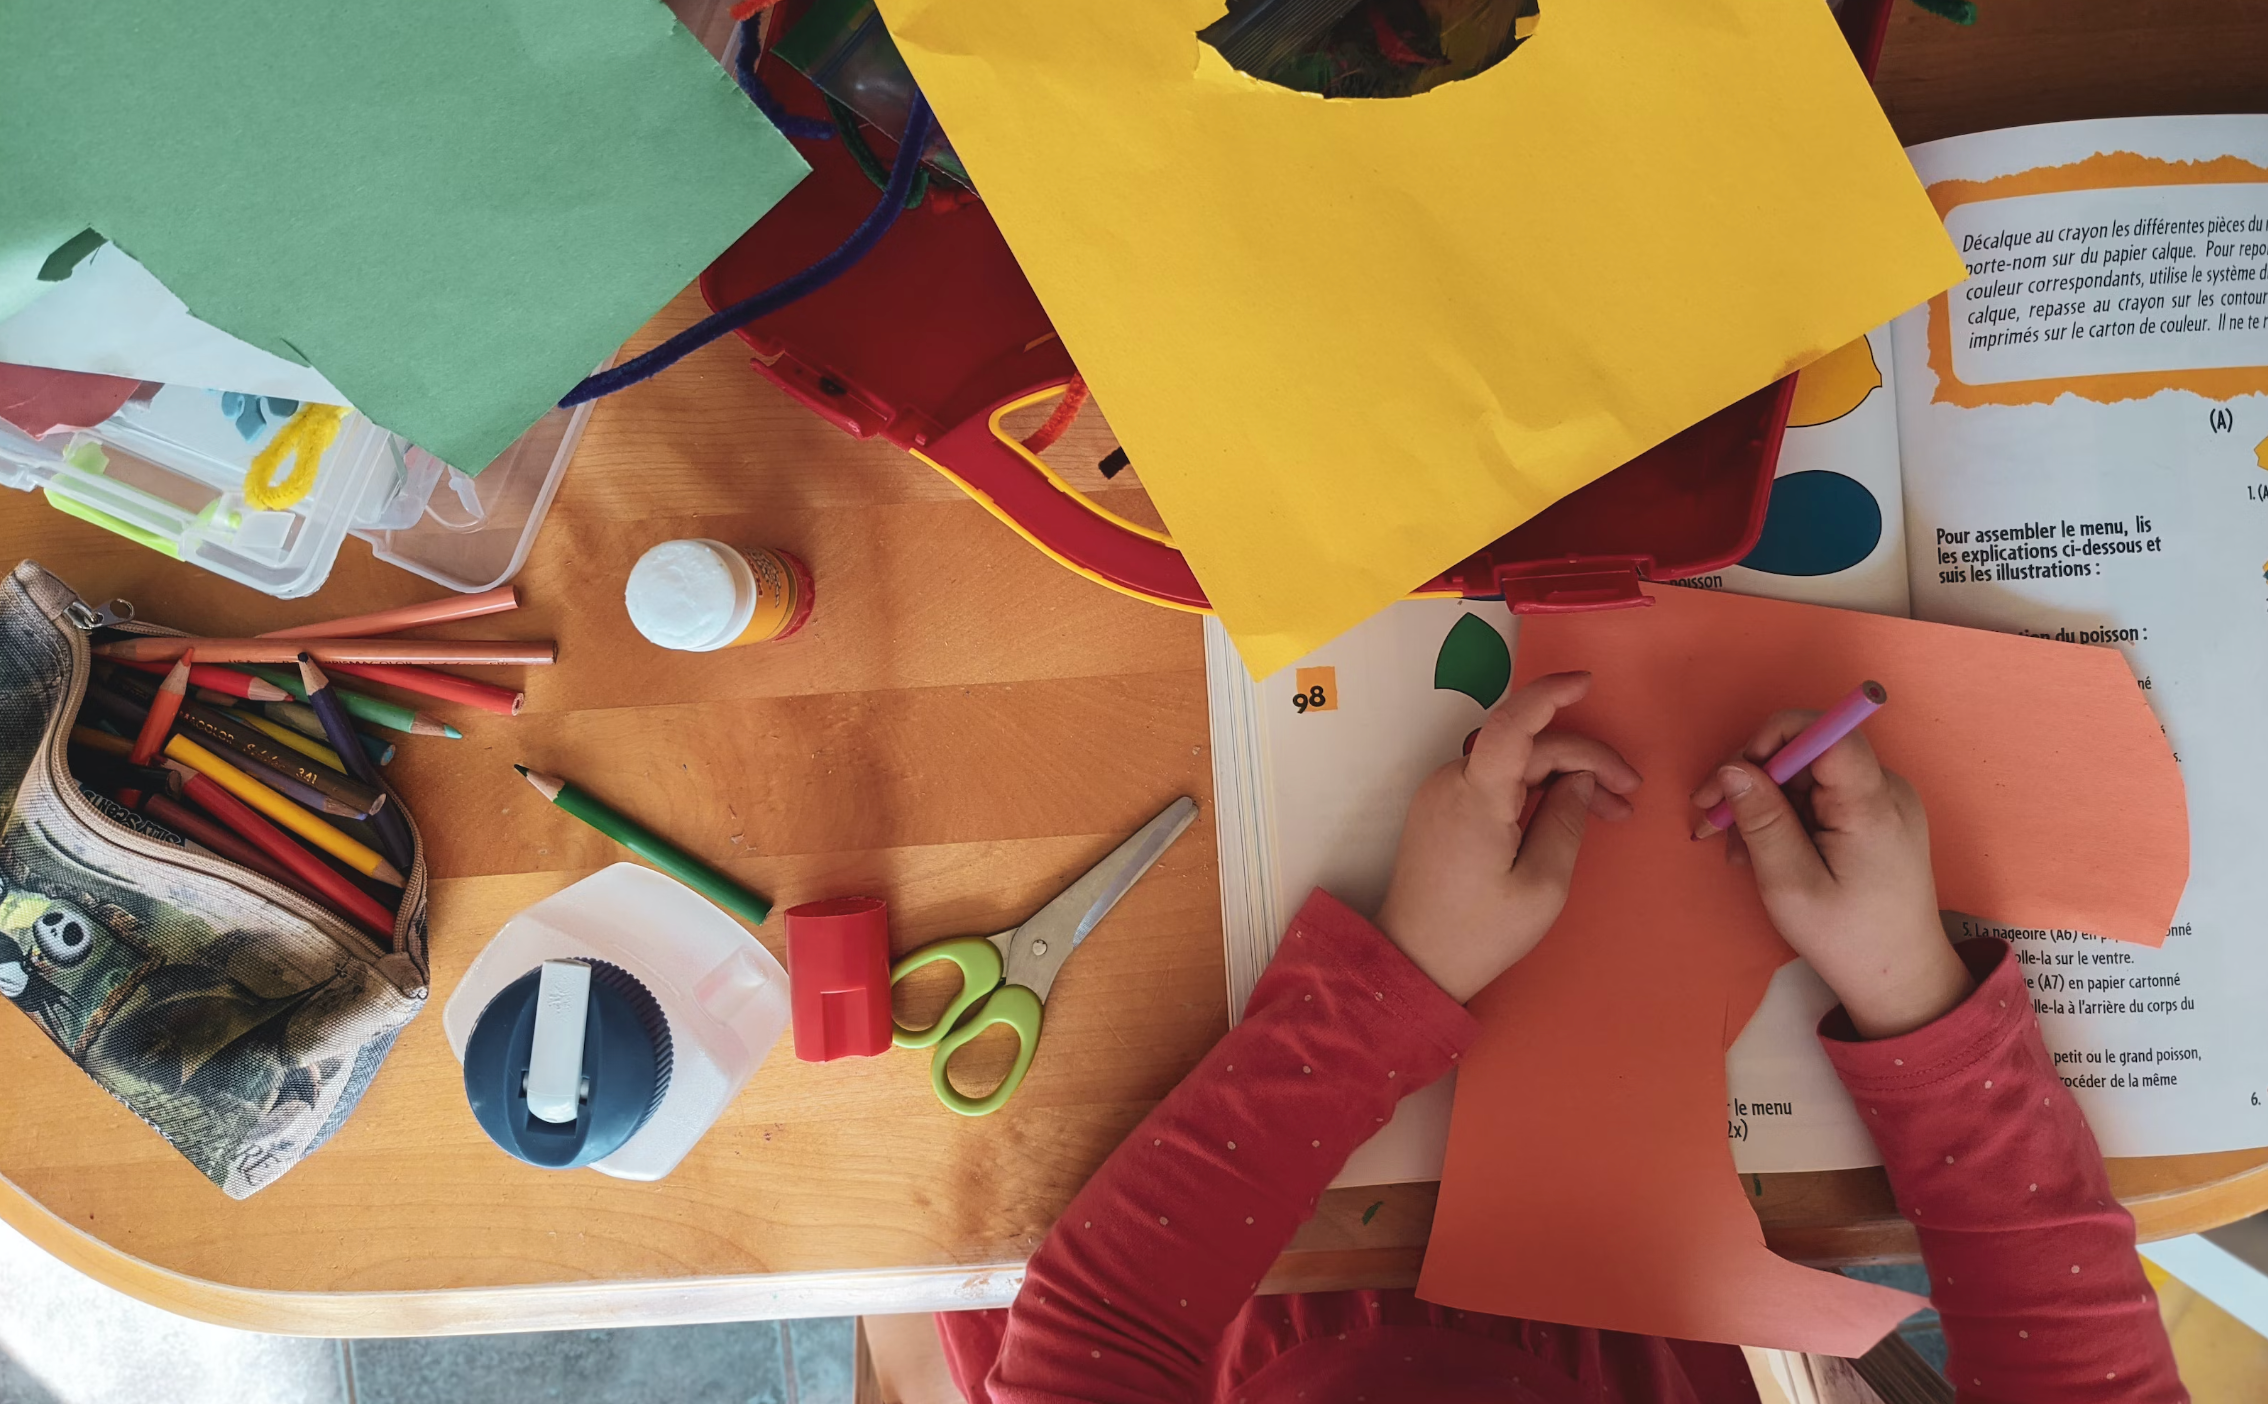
[1012, 1005]
[981, 972]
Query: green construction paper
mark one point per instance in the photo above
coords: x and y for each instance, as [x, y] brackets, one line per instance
[29, 239]
[455, 209]
[74, 252]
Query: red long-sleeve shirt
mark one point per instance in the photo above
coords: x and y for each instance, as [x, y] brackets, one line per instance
[1143, 1290]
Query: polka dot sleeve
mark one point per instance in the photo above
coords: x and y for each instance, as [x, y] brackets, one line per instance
[1129, 1294]
[2031, 1260]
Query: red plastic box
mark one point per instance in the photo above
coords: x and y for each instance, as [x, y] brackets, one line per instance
[935, 336]
[839, 978]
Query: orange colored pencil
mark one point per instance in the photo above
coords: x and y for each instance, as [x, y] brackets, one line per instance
[393, 621]
[343, 896]
[430, 682]
[163, 710]
[328, 651]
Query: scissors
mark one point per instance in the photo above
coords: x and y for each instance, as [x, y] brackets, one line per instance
[1005, 978]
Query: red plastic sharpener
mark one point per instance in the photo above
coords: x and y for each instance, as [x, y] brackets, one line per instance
[839, 977]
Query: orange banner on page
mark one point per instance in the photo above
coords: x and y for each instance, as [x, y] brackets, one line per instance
[2072, 292]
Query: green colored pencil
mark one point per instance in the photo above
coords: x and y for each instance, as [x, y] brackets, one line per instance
[658, 851]
[375, 710]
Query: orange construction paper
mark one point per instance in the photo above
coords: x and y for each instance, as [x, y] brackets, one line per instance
[1589, 1179]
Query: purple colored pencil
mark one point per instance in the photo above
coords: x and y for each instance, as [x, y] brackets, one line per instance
[1812, 742]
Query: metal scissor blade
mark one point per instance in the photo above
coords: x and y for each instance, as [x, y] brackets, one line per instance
[1038, 948]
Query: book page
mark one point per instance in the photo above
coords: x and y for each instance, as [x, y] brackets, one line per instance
[1835, 533]
[1314, 796]
[1313, 769]
[2084, 426]
[2150, 424]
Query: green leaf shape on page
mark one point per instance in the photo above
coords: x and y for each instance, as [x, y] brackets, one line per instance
[1473, 660]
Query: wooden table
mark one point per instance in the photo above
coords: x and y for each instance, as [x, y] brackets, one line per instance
[963, 727]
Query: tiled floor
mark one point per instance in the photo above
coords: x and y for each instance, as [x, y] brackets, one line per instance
[1921, 1330]
[65, 1339]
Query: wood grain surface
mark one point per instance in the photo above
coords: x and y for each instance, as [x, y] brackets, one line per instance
[962, 729]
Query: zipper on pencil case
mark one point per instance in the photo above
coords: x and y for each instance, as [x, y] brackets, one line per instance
[68, 607]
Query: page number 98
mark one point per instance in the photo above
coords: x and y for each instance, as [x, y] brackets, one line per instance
[1315, 690]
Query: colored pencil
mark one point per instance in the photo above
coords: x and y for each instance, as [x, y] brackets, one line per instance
[125, 714]
[114, 774]
[190, 824]
[392, 830]
[163, 709]
[360, 857]
[277, 767]
[300, 717]
[339, 895]
[299, 792]
[158, 721]
[104, 794]
[101, 741]
[393, 621]
[428, 682]
[500, 651]
[1806, 746]
[375, 710]
[242, 686]
[283, 735]
[656, 850]
[332, 792]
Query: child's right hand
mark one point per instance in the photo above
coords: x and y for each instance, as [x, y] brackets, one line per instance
[1842, 862]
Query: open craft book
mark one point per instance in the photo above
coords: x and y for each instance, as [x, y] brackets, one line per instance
[2072, 444]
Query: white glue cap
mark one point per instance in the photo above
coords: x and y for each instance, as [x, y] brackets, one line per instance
[695, 595]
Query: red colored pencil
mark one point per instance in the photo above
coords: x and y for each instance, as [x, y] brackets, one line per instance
[196, 827]
[242, 686]
[339, 895]
[328, 651]
[431, 682]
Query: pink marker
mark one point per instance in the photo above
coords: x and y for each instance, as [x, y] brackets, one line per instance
[1808, 745]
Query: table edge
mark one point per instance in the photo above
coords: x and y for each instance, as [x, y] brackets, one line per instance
[689, 1301]
[534, 1306]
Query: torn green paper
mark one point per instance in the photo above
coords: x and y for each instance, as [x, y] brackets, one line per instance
[455, 209]
[29, 243]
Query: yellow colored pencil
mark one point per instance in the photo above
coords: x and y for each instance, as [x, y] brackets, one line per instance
[303, 825]
[307, 746]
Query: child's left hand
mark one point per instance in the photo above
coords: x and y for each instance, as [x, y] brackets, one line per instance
[1471, 893]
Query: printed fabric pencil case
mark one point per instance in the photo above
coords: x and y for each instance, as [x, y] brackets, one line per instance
[239, 1019]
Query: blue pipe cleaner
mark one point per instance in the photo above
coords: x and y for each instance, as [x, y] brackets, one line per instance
[809, 280]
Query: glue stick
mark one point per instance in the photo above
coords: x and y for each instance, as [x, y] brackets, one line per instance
[700, 595]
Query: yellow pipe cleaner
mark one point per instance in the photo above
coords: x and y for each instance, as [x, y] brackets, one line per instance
[303, 438]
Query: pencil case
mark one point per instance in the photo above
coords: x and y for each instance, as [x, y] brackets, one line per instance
[238, 1019]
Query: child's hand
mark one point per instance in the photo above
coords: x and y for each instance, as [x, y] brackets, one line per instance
[1471, 894]
[1842, 861]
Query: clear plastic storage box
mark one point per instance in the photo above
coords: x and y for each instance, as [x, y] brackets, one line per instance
[168, 472]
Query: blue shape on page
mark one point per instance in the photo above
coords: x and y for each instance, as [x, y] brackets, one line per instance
[1817, 524]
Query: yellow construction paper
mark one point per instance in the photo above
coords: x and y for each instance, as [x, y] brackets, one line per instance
[1347, 341]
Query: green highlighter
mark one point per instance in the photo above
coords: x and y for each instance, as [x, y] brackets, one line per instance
[658, 851]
